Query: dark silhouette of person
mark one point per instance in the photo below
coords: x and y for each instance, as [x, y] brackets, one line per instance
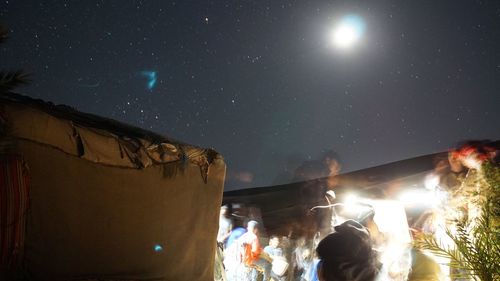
[347, 254]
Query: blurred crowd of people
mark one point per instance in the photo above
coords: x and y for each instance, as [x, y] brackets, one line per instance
[283, 259]
[250, 254]
[349, 252]
[244, 258]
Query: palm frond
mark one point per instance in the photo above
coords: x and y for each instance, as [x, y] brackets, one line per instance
[12, 79]
[475, 247]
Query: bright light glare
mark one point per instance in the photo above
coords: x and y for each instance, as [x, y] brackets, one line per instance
[421, 197]
[348, 32]
[345, 36]
[390, 217]
[351, 199]
[355, 205]
[391, 220]
[431, 181]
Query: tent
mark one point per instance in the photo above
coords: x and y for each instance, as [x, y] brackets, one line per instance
[88, 198]
[285, 209]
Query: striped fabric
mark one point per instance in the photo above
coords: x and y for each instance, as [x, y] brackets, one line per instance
[14, 199]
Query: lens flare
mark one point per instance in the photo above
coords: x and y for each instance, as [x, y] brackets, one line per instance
[158, 248]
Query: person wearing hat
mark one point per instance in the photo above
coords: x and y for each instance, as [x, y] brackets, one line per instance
[347, 254]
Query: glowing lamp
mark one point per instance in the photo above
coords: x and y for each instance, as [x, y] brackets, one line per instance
[351, 199]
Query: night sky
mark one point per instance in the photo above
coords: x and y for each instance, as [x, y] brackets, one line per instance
[260, 81]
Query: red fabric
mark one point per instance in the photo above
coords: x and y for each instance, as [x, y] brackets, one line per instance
[481, 151]
[252, 248]
[14, 198]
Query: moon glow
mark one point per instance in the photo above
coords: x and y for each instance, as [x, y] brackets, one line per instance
[348, 32]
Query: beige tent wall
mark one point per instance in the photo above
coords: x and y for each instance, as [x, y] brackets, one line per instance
[90, 220]
[102, 200]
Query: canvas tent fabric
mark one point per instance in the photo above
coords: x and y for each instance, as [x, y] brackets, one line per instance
[109, 201]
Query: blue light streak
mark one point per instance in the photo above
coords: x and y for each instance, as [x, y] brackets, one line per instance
[152, 78]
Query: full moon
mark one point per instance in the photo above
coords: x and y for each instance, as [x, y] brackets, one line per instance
[348, 32]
